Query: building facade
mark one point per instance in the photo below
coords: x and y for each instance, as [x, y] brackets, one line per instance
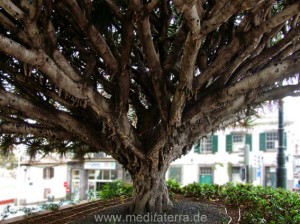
[54, 178]
[41, 180]
[220, 157]
[86, 177]
[216, 159]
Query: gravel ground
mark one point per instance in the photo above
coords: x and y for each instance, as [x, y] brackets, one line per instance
[182, 212]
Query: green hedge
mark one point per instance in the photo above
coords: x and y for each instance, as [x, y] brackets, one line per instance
[115, 189]
[259, 204]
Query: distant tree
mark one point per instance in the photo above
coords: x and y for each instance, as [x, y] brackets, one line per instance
[140, 80]
[9, 162]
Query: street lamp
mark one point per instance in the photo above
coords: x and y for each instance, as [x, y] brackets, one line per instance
[281, 176]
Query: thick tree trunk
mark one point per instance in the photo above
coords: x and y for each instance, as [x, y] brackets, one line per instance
[150, 191]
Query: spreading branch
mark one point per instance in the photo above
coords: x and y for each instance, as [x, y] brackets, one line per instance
[141, 80]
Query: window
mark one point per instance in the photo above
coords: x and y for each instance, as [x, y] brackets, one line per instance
[235, 169]
[175, 173]
[206, 170]
[75, 174]
[97, 178]
[207, 145]
[269, 140]
[92, 174]
[270, 176]
[238, 138]
[75, 184]
[235, 141]
[102, 175]
[113, 174]
[48, 173]
[106, 174]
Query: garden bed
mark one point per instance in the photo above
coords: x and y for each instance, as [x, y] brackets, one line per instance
[228, 203]
[66, 214]
[185, 208]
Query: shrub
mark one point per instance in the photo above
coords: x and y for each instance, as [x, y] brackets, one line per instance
[115, 189]
[259, 204]
[93, 195]
[203, 191]
[174, 186]
[50, 206]
[6, 212]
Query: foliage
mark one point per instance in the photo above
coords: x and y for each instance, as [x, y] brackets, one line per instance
[93, 195]
[259, 204]
[6, 145]
[174, 187]
[115, 189]
[201, 190]
[31, 211]
[8, 161]
[6, 212]
[51, 206]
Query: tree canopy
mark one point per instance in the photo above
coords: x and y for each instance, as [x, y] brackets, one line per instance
[141, 80]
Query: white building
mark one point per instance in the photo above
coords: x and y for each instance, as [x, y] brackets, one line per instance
[41, 179]
[53, 178]
[218, 159]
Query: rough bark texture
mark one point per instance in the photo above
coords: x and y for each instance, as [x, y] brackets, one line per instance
[150, 191]
[140, 80]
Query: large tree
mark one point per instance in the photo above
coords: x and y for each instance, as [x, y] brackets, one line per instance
[140, 80]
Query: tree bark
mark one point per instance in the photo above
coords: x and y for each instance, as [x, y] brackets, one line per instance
[150, 190]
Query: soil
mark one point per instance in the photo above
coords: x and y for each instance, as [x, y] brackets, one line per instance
[185, 210]
[182, 212]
